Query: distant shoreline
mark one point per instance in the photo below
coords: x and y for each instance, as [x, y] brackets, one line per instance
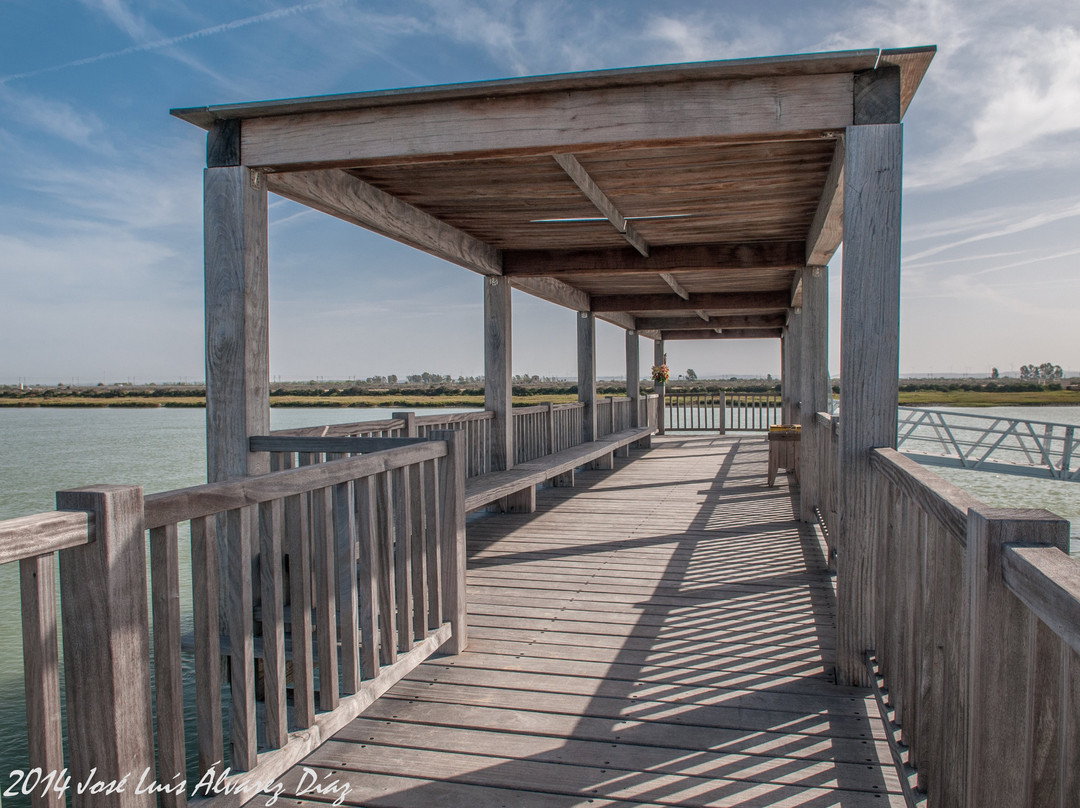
[908, 398]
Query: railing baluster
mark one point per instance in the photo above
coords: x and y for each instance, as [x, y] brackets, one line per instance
[368, 577]
[345, 567]
[387, 593]
[271, 525]
[169, 686]
[204, 584]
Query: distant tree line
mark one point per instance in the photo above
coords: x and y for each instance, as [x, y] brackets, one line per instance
[1046, 372]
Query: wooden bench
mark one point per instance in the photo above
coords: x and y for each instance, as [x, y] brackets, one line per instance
[515, 489]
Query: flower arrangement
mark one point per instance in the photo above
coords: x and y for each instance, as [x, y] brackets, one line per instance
[660, 374]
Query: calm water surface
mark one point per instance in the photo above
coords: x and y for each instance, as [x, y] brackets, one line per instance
[46, 450]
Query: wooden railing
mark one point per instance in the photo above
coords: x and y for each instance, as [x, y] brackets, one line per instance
[544, 429]
[612, 415]
[977, 635]
[721, 412]
[361, 565]
[825, 443]
[476, 427]
[752, 411]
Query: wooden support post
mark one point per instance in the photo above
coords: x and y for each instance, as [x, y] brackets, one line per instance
[452, 538]
[564, 480]
[497, 370]
[586, 372]
[604, 461]
[869, 371]
[1011, 669]
[237, 341]
[815, 395]
[659, 358]
[107, 645]
[409, 430]
[633, 376]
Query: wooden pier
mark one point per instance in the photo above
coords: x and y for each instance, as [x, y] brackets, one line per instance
[660, 635]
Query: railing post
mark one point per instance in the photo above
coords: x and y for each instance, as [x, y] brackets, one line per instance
[409, 429]
[659, 358]
[551, 427]
[1011, 760]
[452, 539]
[103, 597]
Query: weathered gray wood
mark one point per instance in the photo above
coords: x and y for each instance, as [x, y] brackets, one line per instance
[675, 258]
[403, 580]
[409, 429]
[271, 558]
[237, 308]
[223, 143]
[869, 369]
[725, 333]
[30, 536]
[168, 664]
[947, 503]
[633, 375]
[204, 500]
[367, 575]
[337, 445]
[345, 543]
[498, 362]
[586, 375]
[1070, 729]
[418, 547]
[344, 196]
[41, 671]
[827, 227]
[546, 123]
[324, 574]
[238, 592]
[384, 522]
[744, 302]
[576, 172]
[107, 643]
[432, 543]
[1047, 580]
[659, 358]
[1002, 657]
[815, 393]
[741, 322]
[298, 546]
[204, 594]
[452, 540]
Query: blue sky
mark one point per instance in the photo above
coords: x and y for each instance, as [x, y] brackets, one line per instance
[100, 189]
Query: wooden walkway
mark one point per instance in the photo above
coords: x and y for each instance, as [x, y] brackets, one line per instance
[660, 635]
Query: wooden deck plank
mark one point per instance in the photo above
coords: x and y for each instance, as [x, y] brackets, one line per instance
[662, 634]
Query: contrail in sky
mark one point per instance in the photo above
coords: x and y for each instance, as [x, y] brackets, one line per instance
[176, 40]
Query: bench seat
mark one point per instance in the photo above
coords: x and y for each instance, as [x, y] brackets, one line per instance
[483, 491]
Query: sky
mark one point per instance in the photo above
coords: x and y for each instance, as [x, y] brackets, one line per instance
[101, 189]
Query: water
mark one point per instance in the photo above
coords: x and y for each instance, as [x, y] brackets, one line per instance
[45, 450]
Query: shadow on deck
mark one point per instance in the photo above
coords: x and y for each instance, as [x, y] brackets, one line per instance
[660, 635]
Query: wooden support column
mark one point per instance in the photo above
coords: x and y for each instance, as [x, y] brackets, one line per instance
[497, 370]
[633, 376]
[237, 311]
[452, 539]
[586, 372]
[103, 598]
[869, 371]
[237, 337]
[659, 358]
[816, 393]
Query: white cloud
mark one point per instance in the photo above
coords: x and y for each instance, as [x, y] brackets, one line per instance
[51, 117]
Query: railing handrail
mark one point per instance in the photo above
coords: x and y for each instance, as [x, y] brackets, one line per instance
[44, 533]
[341, 430]
[184, 504]
[1048, 582]
[948, 503]
[454, 417]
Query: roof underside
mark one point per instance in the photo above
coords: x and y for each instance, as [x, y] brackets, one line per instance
[680, 201]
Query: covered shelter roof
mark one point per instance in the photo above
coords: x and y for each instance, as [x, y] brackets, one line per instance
[678, 201]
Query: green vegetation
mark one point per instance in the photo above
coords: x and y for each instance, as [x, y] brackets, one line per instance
[441, 391]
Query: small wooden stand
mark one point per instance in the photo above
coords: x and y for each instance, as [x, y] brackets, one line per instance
[784, 445]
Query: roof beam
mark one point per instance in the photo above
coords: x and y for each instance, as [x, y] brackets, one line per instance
[709, 257]
[576, 172]
[727, 333]
[827, 227]
[676, 287]
[549, 121]
[565, 295]
[346, 197]
[796, 291]
[725, 321]
[704, 316]
[743, 302]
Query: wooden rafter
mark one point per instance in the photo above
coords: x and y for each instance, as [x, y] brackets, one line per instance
[703, 315]
[576, 172]
[676, 323]
[725, 333]
[346, 197]
[723, 302]
[676, 287]
[827, 227]
[688, 258]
